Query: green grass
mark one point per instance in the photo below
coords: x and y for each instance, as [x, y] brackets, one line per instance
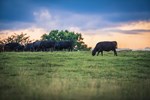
[74, 76]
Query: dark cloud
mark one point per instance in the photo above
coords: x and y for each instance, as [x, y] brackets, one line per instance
[128, 17]
[15, 10]
[15, 25]
[106, 6]
[137, 31]
[12, 11]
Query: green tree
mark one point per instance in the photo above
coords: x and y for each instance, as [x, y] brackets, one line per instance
[57, 35]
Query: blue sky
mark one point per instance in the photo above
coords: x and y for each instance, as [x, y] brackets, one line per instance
[91, 17]
[127, 10]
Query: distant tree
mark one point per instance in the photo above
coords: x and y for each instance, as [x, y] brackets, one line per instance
[57, 35]
[17, 38]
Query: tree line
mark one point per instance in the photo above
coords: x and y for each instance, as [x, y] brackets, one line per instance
[54, 35]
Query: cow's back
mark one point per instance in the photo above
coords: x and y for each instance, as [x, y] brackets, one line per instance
[107, 45]
[11, 46]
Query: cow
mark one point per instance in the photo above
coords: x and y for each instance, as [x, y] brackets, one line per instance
[63, 45]
[29, 47]
[20, 48]
[37, 46]
[105, 46]
[13, 46]
[47, 45]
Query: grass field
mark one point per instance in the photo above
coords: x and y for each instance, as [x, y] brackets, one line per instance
[74, 76]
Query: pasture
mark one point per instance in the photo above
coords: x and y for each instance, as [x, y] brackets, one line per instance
[74, 76]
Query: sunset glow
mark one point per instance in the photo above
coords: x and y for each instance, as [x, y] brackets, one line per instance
[130, 27]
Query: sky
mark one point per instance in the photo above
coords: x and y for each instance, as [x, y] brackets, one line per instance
[124, 21]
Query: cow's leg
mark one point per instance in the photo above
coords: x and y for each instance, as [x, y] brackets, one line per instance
[102, 53]
[98, 53]
[69, 49]
[51, 49]
[115, 52]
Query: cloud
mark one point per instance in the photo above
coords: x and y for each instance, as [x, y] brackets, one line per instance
[138, 27]
[34, 32]
[42, 15]
[94, 28]
[107, 20]
[15, 25]
[65, 20]
[87, 24]
[138, 31]
[135, 25]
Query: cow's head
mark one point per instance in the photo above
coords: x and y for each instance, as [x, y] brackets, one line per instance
[93, 52]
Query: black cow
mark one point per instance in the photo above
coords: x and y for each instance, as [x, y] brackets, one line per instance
[13, 47]
[20, 48]
[61, 45]
[37, 46]
[47, 45]
[29, 47]
[105, 46]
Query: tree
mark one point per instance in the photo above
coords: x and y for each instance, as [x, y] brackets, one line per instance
[57, 35]
[21, 38]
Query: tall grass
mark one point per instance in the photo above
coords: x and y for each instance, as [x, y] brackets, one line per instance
[74, 76]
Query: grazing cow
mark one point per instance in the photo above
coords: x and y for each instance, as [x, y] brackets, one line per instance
[20, 48]
[61, 45]
[37, 46]
[13, 47]
[29, 47]
[105, 46]
[47, 45]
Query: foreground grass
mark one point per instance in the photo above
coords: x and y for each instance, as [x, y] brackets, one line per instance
[74, 75]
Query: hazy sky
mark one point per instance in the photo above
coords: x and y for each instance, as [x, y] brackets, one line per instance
[126, 21]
